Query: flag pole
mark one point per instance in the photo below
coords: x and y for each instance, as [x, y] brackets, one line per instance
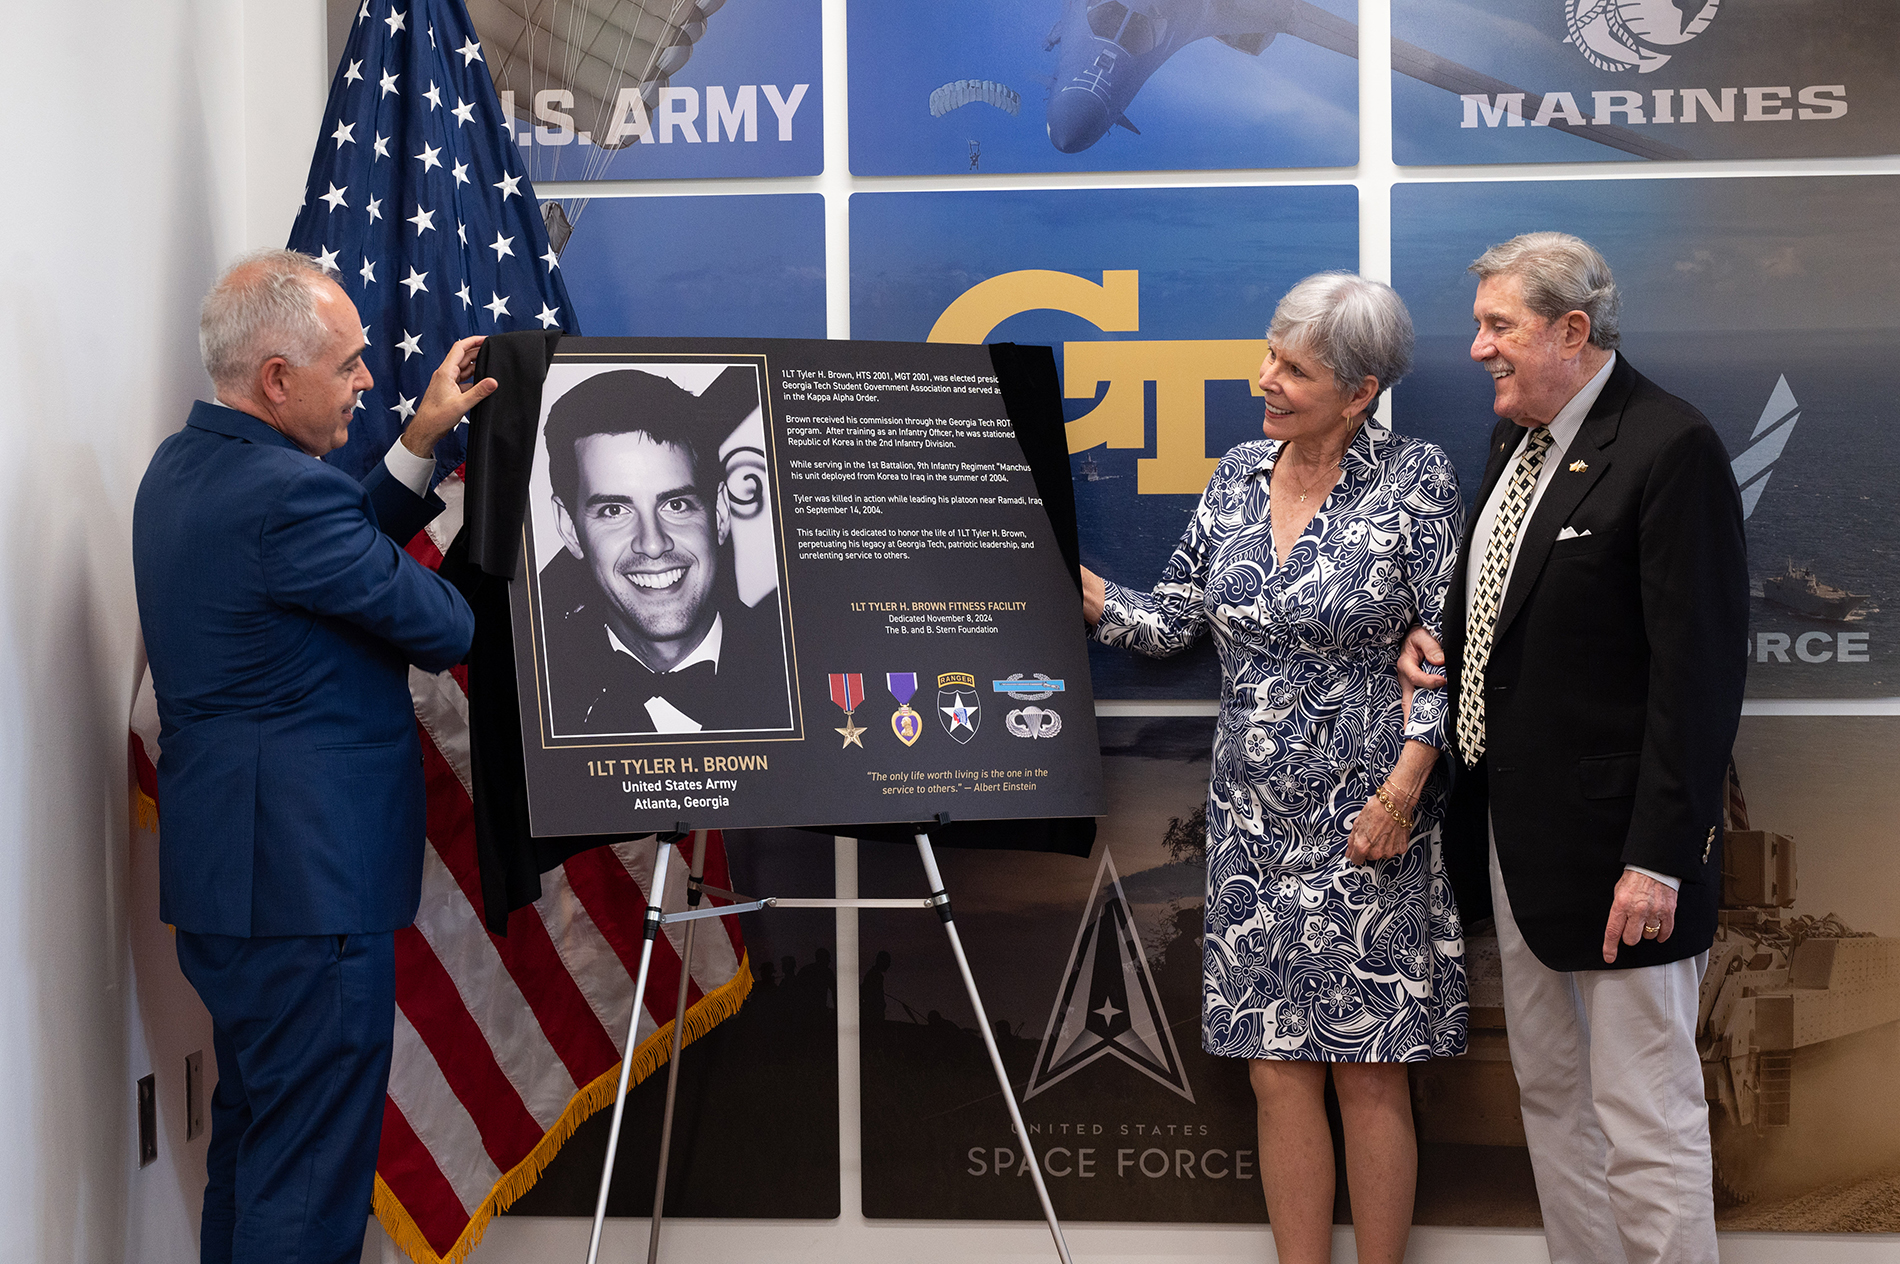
[673, 1058]
[662, 852]
[941, 899]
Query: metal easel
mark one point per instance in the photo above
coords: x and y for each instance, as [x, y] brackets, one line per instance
[656, 917]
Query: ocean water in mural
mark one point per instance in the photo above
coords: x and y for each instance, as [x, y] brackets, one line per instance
[1769, 304]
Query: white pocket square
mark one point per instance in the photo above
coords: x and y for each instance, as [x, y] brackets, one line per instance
[1571, 533]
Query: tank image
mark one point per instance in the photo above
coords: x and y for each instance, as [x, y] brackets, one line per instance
[1798, 1029]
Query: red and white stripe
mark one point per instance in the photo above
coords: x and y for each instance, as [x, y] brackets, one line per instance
[504, 1044]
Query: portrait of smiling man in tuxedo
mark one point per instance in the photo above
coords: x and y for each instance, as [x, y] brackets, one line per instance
[641, 618]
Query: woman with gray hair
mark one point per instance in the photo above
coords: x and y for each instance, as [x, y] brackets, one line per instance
[1332, 942]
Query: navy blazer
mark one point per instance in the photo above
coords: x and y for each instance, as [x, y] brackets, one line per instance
[1614, 687]
[280, 619]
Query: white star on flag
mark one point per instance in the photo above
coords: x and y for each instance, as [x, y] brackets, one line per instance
[551, 259]
[375, 208]
[342, 135]
[460, 173]
[404, 407]
[498, 307]
[395, 20]
[368, 273]
[471, 52]
[389, 83]
[502, 246]
[433, 96]
[335, 197]
[363, 12]
[411, 344]
[461, 234]
[510, 186]
[468, 300]
[416, 281]
[326, 259]
[428, 157]
[423, 220]
[382, 145]
[549, 316]
[354, 73]
[464, 111]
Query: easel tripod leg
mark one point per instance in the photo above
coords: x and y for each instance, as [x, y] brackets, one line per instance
[989, 1042]
[673, 1058]
[652, 928]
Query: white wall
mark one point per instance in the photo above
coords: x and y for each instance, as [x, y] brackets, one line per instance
[130, 173]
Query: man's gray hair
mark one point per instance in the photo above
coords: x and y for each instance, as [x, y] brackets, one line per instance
[263, 305]
[1560, 274]
[1356, 327]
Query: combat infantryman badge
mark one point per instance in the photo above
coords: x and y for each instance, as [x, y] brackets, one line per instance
[848, 692]
[959, 717]
[907, 724]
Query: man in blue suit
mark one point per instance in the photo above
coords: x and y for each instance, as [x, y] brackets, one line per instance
[281, 617]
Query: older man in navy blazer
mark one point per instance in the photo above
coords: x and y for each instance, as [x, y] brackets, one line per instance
[1594, 632]
[281, 617]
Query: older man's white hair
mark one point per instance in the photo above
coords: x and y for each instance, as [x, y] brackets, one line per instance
[1355, 327]
[1560, 274]
[263, 305]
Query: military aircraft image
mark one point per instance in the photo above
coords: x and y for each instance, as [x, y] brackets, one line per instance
[1107, 49]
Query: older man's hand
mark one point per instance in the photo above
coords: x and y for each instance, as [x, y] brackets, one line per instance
[447, 400]
[1641, 902]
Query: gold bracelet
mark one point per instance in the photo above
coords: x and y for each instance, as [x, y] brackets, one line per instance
[1385, 801]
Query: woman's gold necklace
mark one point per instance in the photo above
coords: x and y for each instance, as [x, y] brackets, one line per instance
[1332, 469]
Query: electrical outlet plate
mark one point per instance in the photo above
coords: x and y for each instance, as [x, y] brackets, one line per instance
[148, 1120]
[194, 1094]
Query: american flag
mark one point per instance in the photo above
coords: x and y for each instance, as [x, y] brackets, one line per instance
[503, 1045]
[416, 200]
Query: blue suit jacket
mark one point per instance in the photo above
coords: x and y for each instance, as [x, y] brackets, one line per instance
[280, 620]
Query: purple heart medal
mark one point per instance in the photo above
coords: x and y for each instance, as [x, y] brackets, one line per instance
[907, 724]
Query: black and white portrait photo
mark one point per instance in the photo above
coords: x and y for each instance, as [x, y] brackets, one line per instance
[659, 604]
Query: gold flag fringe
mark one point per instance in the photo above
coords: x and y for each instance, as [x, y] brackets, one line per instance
[713, 1008]
[144, 810]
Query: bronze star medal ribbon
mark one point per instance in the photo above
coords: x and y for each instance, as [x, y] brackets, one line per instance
[848, 692]
[906, 723]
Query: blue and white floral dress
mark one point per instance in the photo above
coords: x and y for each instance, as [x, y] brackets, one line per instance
[1308, 956]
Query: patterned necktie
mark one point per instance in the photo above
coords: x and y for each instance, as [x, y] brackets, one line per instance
[1482, 625]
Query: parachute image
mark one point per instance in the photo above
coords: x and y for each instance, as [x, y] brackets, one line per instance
[954, 96]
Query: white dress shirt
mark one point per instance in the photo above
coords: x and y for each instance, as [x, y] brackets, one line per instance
[1563, 432]
[405, 467]
[666, 717]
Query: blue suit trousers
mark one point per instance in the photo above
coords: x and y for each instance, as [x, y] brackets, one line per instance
[302, 1026]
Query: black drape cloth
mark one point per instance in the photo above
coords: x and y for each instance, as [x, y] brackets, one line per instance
[486, 555]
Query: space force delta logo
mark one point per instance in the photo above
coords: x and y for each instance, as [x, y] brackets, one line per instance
[1107, 1006]
[1622, 35]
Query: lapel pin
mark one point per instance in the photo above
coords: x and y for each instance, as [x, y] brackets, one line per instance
[1578, 467]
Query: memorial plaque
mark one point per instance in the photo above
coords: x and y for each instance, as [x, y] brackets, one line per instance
[778, 582]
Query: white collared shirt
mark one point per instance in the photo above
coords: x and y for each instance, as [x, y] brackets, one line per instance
[1563, 432]
[666, 717]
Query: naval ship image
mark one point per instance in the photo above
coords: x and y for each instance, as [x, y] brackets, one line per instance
[1799, 589]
